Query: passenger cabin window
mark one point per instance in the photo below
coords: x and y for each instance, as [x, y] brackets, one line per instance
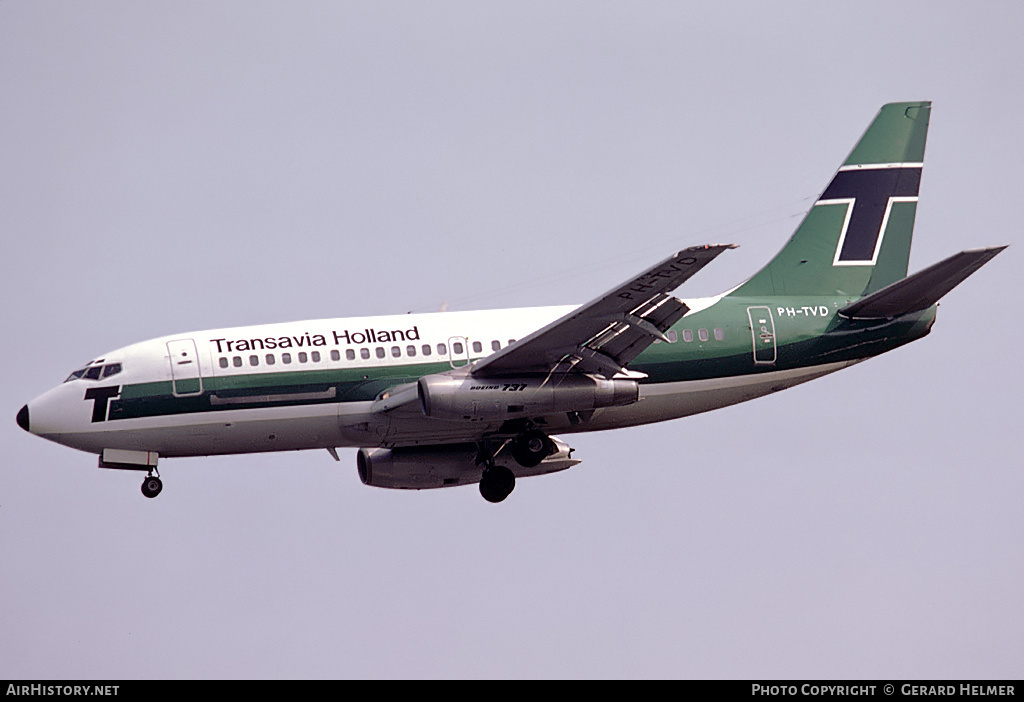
[426, 349]
[254, 360]
[223, 362]
[380, 352]
[286, 358]
[495, 345]
[687, 335]
[410, 350]
[673, 336]
[350, 354]
[303, 357]
[395, 351]
[270, 359]
[335, 355]
[702, 334]
[364, 353]
[442, 350]
[477, 347]
[719, 334]
[237, 361]
[315, 355]
[457, 348]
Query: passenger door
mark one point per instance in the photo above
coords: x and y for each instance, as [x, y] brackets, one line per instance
[185, 374]
[762, 329]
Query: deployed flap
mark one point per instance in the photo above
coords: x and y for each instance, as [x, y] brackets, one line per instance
[921, 290]
[604, 335]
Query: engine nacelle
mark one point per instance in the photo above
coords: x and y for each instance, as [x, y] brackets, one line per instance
[419, 468]
[468, 398]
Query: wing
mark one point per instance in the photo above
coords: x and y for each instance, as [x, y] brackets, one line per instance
[604, 335]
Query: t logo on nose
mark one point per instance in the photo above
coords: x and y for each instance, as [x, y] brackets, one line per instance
[101, 398]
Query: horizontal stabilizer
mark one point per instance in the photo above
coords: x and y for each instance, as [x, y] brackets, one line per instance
[921, 290]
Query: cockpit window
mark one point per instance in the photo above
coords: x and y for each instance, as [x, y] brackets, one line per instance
[75, 375]
[95, 372]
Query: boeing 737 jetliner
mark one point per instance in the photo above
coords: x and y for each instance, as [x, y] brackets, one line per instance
[455, 398]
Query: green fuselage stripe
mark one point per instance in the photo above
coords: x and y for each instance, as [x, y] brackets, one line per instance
[802, 339]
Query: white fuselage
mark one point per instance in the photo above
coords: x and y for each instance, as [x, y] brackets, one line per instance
[239, 369]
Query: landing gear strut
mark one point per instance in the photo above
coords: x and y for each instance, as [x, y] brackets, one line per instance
[152, 485]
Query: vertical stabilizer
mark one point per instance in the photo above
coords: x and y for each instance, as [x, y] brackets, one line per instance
[855, 240]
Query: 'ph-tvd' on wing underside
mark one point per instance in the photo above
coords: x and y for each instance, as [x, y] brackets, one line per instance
[604, 335]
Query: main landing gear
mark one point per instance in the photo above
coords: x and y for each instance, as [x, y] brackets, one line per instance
[531, 447]
[528, 449]
[497, 483]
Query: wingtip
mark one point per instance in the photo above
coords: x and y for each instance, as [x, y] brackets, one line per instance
[993, 250]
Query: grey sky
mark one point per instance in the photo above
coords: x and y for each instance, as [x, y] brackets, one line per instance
[168, 167]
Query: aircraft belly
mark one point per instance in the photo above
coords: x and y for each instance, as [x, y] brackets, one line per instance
[404, 426]
[663, 401]
[202, 434]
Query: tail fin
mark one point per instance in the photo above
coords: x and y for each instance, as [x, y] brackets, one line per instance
[855, 240]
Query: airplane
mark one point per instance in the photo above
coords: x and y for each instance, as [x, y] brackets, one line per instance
[447, 399]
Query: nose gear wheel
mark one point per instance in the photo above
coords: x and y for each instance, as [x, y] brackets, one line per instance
[152, 486]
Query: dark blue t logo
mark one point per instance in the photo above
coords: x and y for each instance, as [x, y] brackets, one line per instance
[101, 397]
[871, 190]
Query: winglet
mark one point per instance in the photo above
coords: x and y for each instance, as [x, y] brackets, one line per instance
[921, 290]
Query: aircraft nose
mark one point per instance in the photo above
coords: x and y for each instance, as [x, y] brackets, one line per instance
[23, 418]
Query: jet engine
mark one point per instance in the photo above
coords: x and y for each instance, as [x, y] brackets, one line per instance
[422, 467]
[469, 398]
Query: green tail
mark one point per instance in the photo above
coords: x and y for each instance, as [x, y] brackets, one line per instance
[856, 238]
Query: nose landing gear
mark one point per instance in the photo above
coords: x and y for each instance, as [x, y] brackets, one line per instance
[152, 485]
[124, 459]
